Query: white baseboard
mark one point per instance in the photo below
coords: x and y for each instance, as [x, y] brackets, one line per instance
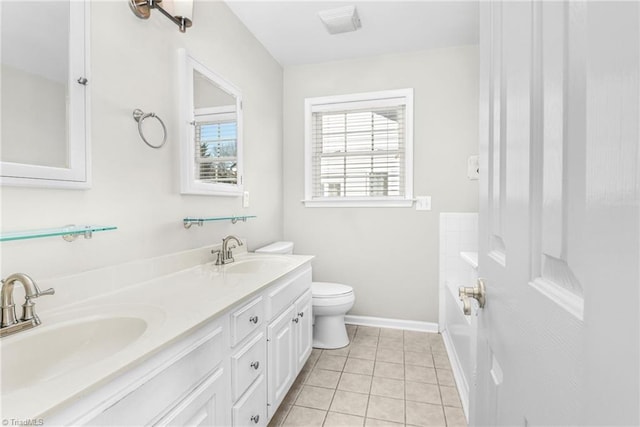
[461, 381]
[381, 322]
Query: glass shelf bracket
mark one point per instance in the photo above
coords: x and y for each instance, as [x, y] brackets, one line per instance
[68, 232]
[188, 222]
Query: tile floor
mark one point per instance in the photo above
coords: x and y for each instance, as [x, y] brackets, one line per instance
[384, 377]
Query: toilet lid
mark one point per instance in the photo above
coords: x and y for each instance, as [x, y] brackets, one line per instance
[327, 290]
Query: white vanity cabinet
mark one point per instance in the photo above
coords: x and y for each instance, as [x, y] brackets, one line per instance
[233, 370]
[288, 335]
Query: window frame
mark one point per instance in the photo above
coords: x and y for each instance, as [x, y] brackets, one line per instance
[358, 101]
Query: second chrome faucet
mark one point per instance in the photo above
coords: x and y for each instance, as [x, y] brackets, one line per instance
[225, 254]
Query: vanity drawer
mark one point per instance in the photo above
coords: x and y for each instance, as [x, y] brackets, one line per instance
[177, 377]
[247, 364]
[251, 410]
[246, 319]
[281, 295]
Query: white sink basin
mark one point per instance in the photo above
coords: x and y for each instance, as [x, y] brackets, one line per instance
[256, 265]
[49, 351]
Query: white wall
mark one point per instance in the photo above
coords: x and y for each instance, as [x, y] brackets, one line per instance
[389, 255]
[135, 187]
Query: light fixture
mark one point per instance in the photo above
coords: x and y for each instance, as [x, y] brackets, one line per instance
[341, 19]
[180, 12]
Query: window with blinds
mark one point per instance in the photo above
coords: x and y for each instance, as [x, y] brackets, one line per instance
[216, 155]
[359, 149]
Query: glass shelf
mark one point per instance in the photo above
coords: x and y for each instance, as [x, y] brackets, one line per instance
[68, 232]
[188, 222]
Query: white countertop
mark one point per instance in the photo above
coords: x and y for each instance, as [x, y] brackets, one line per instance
[172, 306]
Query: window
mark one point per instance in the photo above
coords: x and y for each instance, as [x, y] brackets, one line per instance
[216, 146]
[359, 150]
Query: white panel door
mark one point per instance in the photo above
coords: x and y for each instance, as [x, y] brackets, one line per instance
[559, 217]
[282, 361]
[304, 329]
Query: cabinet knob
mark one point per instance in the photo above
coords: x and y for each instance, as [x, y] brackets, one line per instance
[253, 319]
[83, 81]
[255, 418]
[295, 319]
[301, 314]
[255, 365]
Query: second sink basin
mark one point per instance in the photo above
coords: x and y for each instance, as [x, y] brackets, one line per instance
[256, 264]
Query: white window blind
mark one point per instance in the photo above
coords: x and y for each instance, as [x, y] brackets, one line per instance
[359, 150]
[216, 155]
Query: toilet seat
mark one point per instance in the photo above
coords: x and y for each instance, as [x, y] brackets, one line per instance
[325, 294]
[329, 290]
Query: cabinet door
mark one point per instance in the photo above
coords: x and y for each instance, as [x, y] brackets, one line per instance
[205, 406]
[282, 359]
[303, 329]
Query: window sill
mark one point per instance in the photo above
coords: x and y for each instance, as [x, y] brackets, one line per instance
[356, 203]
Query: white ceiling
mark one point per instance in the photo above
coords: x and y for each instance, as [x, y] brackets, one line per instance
[293, 33]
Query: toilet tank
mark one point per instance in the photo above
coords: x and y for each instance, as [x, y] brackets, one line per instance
[276, 248]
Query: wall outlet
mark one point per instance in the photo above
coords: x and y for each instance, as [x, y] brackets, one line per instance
[245, 199]
[473, 168]
[423, 203]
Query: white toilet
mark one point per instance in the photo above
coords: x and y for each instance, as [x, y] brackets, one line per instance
[330, 302]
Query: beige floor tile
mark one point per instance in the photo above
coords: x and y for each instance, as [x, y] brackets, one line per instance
[441, 361]
[370, 340]
[292, 394]
[417, 335]
[315, 397]
[391, 333]
[372, 422]
[362, 351]
[422, 358]
[323, 378]
[416, 345]
[332, 363]
[368, 330]
[391, 355]
[450, 396]
[389, 370]
[348, 402]
[388, 387]
[438, 347]
[344, 351]
[335, 419]
[355, 382]
[304, 417]
[391, 342]
[445, 377]
[280, 415]
[385, 408]
[359, 366]
[455, 417]
[423, 392]
[424, 414]
[420, 374]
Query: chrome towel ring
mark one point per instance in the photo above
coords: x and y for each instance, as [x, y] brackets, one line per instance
[139, 116]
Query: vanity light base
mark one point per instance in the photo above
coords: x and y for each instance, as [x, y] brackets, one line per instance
[140, 8]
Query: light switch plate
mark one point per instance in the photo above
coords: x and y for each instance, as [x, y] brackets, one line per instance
[245, 199]
[423, 203]
[473, 168]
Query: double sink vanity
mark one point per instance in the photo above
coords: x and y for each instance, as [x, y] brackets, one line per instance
[206, 345]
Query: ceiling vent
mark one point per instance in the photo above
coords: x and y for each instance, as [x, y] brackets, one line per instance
[340, 20]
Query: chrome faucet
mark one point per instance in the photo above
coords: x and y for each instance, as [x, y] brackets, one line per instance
[225, 255]
[9, 324]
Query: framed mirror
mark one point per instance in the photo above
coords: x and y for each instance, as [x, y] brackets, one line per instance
[44, 132]
[211, 131]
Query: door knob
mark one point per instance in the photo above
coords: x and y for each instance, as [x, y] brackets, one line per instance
[477, 292]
